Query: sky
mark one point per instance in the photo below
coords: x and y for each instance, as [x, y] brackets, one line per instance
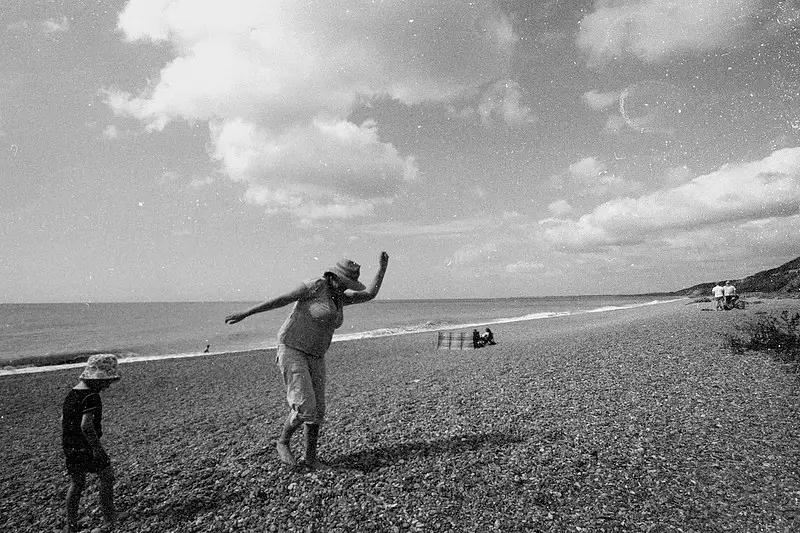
[204, 150]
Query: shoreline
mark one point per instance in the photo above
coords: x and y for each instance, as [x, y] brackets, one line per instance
[8, 369]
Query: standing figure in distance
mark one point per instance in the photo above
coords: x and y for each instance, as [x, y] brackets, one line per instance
[302, 342]
[719, 295]
[730, 292]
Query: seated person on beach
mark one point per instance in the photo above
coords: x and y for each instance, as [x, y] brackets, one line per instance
[477, 342]
[81, 429]
[488, 337]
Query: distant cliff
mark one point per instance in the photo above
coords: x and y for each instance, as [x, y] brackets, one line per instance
[784, 279]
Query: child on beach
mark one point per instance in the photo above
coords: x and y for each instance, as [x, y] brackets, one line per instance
[81, 426]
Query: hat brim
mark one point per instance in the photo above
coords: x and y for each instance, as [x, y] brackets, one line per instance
[349, 283]
[100, 375]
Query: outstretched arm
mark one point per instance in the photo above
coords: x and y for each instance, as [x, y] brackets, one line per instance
[274, 303]
[357, 297]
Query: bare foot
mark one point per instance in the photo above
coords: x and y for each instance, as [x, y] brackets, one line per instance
[285, 454]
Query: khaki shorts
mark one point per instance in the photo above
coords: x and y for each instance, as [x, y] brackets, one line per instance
[304, 379]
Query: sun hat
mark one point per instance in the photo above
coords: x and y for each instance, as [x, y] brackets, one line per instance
[101, 366]
[347, 271]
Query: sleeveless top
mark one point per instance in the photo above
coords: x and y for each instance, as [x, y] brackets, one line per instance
[315, 316]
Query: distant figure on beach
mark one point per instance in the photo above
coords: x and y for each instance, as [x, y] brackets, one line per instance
[730, 294]
[477, 342]
[208, 347]
[302, 342]
[488, 338]
[81, 429]
[719, 295]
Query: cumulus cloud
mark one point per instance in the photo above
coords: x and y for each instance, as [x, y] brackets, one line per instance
[276, 80]
[332, 168]
[599, 101]
[732, 194]
[651, 30]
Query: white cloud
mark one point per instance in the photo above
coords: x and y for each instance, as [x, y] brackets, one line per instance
[329, 168]
[277, 80]
[678, 176]
[599, 101]
[614, 124]
[560, 208]
[503, 100]
[651, 30]
[587, 169]
[17, 26]
[463, 227]
[170, 175]
[111, 132]
[732, 194]
[471, 253]
[46, 26]
[591, 177]
[55, 26]
[523, 267]
[199, 183]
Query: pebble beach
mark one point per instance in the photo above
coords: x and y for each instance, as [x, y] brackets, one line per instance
[636, 420]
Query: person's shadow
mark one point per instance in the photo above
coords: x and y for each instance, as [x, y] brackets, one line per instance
[374, 458]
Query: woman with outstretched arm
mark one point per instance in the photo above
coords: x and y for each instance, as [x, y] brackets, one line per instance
[302, 342]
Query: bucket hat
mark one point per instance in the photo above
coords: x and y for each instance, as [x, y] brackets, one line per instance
[101, 366]
[347, 271]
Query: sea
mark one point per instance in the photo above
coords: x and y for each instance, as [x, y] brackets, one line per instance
[39, 337]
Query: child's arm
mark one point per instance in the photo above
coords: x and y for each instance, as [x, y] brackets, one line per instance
[87, 427]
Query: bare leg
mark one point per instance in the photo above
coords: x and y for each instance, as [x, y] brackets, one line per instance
[311, 437]
[282, 445]
[76, 486]
[106, 477]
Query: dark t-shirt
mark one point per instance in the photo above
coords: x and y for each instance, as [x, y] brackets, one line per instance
[78, 402]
